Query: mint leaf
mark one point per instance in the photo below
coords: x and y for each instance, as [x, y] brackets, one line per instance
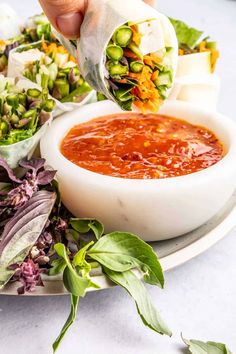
[85, 225]
[69, 322]
[122, 251]
[198, 347]
[186, 35]
[149, 315]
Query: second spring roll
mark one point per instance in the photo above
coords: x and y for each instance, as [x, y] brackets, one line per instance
[128, 52]
[198, 55]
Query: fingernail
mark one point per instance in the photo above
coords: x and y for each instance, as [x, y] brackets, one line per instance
[69, 24]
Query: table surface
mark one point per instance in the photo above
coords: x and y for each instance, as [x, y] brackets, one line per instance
[199, 297]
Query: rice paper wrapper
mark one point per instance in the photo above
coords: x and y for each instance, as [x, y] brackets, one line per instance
[15, 152]
[16, 66]
[201, 90]
[18, 60]
[101, 20]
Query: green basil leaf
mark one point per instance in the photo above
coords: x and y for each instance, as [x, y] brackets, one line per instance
[79, 258]
[186, 35]
[149, 315]
[69, 322]
[72, 235]
[74, 283]
[58, 266]
[121, 251]
[198, 347]
[61, 251]
[85, 225]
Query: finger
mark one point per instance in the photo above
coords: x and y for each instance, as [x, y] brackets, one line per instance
[65, 15]
[151, 2]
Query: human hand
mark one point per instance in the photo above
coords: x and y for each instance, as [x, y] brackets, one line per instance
[67, 15]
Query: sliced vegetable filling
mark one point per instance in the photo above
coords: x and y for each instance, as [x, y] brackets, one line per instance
[58, 72]
[22, 112]
[133, 77]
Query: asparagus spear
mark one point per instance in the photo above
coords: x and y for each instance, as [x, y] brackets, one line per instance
[136, 66]
[123, 36]
[22, 113]
[114, 52]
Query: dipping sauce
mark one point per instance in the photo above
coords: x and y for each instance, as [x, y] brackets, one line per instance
[137, 146]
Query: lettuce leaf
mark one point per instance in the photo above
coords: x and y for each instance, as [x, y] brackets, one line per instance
[186, 35]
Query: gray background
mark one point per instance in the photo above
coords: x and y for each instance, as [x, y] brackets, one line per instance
[199, 298]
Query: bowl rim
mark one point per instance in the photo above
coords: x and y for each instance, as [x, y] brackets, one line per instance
[225, 164]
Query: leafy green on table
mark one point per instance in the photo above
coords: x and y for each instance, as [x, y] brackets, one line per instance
[120, 255]
[199, 347]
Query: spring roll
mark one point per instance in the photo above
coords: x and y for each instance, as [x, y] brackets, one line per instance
[25, 113]
[127, 52]
[195, 79]
[50, 66]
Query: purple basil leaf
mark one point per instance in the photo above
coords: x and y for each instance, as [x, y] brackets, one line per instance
[33, 164]
[29, 274]
[45, 177]
[23, 230]
[9, 171]
[21, 217]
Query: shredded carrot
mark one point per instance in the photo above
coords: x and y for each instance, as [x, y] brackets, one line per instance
[129, 54]
[53, 49]
[2, 42]
[181, 52]
[214, 53]
[146, 93]
[123, 81]
[155, 75]
[136, 35]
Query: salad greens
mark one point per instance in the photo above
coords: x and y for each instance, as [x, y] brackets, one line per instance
[198, 347]
[22, 112]
[38, 235]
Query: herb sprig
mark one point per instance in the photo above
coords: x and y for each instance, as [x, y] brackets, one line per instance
[124, 259]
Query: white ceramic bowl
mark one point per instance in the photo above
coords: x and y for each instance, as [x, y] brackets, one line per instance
[154, 209]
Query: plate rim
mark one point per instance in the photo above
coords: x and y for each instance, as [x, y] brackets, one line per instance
[168, 262]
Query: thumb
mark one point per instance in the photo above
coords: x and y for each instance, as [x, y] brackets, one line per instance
[66, 16]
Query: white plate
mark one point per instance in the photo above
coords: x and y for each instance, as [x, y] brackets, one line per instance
[171, 253]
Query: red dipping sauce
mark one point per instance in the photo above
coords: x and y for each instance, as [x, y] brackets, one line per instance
[138, 146]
